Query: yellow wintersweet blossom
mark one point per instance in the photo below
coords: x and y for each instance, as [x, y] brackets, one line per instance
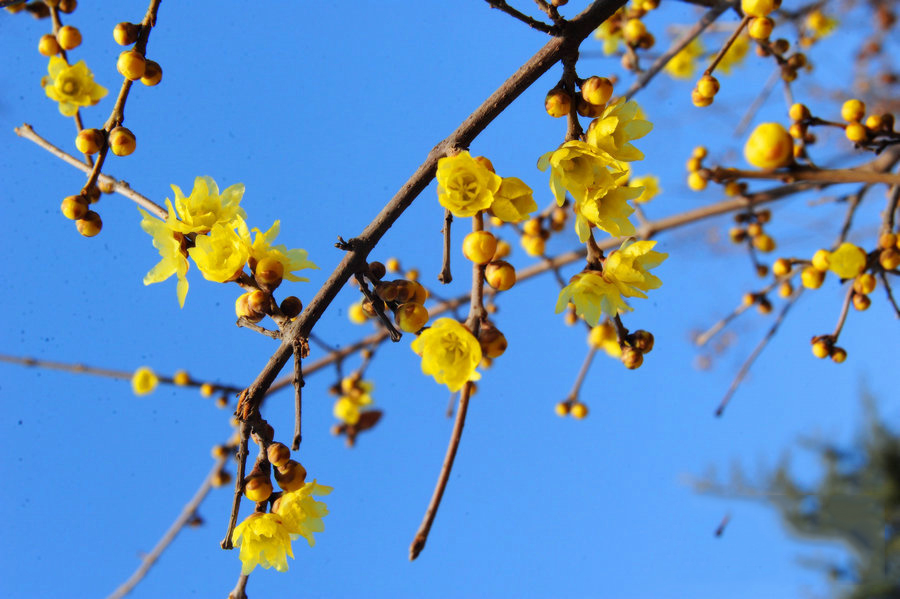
[347, 407]
[847, 261]
[465, 186]
[592, 296]
[174, 261]
[221, 255]
[450, 353]
[205, 207]
[608, 212]
[736, 54]
[262, 247]
[264, 540]
[513, 201]
[301, 514]
[683, 64]
[611, 39]
[628, 268]
[650, 186]
[144, 381]
[578, 167]
[617, 125]
[603, 336]
[71, 86]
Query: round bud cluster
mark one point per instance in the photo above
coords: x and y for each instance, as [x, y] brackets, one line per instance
[705, 90]
[573, 408]
[132, 64]
[853, 111]
[500, 275]
[889, 251]
[823, 346]
[405, 297]
[698, 177]
[634, 346]
[534, 238]
[750, 226]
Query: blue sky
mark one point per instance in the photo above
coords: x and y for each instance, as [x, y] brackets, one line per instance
[323, 114]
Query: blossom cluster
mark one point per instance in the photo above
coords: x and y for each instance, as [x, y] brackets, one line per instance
[468, 185]
[210, 228]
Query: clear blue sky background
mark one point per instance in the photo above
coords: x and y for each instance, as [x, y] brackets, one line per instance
[323, 111]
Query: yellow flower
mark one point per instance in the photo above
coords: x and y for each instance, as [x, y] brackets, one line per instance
[513, 201]
[603, 336]
[291, 260]
[577, 167]
[628, 268]
[347, 407]
[264, 541]
[173, 260]
[650, 185]
[592, 296]
[819, 24]
[465, 186]
[221, 255]
[683, 64]
[847, 261]
[610, 38]
[608, 212]
[735, 54]
[205, 207]
[769, 146]
[144, 381]
[71, 86]
[301, 514]
[449, 353]
[617, 125]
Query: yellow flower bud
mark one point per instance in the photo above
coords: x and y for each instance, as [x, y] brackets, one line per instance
[479, 246]
[221, 479]
[821, 348]
[781, 267]
[291, 306]
[696, 181]
[269, 272]
[579, 410]
[48, 46]
[533, 245]
[632, 358]
[500, 275]
[811, 277]
[769, 147]
[74, 207]
[761, 28]
[856, 132]
[152, 73]
[785, 289]
[126, 34]
[68, 37]
[356, 314]
[633, 31]
[493, 342]
[90, 224]
[861, 302]
[122, 141]
[708, 86]
[242, 309]
[597, 90]
[207, 389]
[89, 141]
[821, 259]
[799, 112]
[759, 8]
[131, 65]
[278, 454]
[411, 317]
[853, 110]
[889, 259]
[558, 103]
[257, 488]
[259, 302]
[290, 476]
[561, 409]
[144, 381]
[838, 355]
[392, 265]
[699, 100]
[887, 240]
[181, 378]
[764, 243]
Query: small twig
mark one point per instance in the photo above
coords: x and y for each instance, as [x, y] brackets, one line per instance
[450, 405]
[187, 513]
[842, 317]
[120, 187]
[298, 397]
[241, 459]
[854, 201]
[582, 373]
[421, 537]
[891, 208]
[240, 589]
[890, 294]
[721, 528]
[703, 338]
[243, 322]
[853, 175]
[745, 368]
[446, 276]
[760, 99]
[531, 22]
[379, 310]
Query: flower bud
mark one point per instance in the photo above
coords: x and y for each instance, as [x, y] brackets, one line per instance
[259, 302]
[853, 110]
[290, 476]
[632, 358]
[152, 73]
[257, 487]
[708, 86]
[493, 342]
[838, 355]
[558, 103]
[291, 306]
[122, 141]
[387, 291]
[90, 224]
[533, 245]
[864, 283]
[781, 267]
[68, 37]
[220, 479]
[411, 317]
[770, 146]
[131, 65]
[643, 341]
[500, 275]
[578, 410]
[207, 389]
[181, 378]
[269, 272]
[278, 454]
[243, 310]
[561, 409]
[48, 46]
[479, 246]
[377, 270]
[125, 33]
[597, 90]
[74, 207]
[68, 6]
[812, 278]
[761, 28]
[861, 302]
[89, 141]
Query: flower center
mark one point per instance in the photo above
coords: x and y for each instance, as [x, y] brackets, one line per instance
[69, 87]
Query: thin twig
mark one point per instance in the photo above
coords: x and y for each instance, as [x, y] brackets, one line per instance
[243, 322]
[760, 99]
[854, 201]
[582, 373]
[890, 294]
[851, 175]
[726, 46]
[298, 397]
[421, 537]
[530, 21]
[745, 368]
[703, 338]
[187, 513]
[842, 317]
[446, 276]
[240, 589]
[241, 459]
